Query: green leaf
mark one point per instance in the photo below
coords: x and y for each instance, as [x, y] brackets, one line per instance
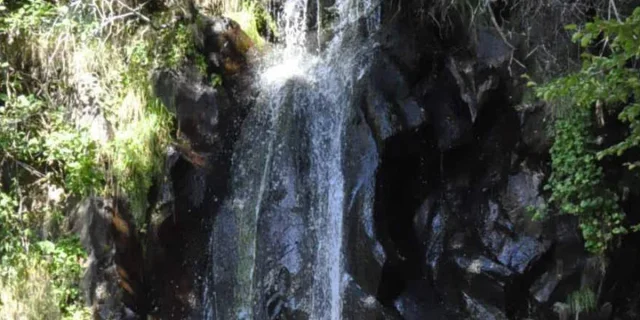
[47, 247]
[571, 27]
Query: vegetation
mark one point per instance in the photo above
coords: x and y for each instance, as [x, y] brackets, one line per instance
[608, 79]
[77, 118]
[253, 19]
[577, 183]
[582, 301]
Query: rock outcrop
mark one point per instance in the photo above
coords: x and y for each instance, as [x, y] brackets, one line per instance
[114, 280]
[439, 167]
[464, 182]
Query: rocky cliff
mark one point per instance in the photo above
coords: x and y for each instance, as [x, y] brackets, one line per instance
[442, 158]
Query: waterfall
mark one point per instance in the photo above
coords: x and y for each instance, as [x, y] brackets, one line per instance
[280, 232]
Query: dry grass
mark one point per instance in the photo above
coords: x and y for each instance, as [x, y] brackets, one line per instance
[87, 57]
[96, 57]
[30, 295]
[220, 6]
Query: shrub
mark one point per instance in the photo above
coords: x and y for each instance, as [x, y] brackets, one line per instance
[577, 185]
[58, 60]
[605, 81]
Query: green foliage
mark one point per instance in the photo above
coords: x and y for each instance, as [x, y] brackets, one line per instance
[577, 186]
[37, 277]
[604, 81]
[137, 154]
[583, 300]
[30, 132]
[252, 17]
[216, 80]
[63, 260]
[61, 158]
[112, 71]
[611, 79]
[56, 60]
[11, 233]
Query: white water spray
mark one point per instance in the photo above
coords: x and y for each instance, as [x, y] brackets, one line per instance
[325, 84]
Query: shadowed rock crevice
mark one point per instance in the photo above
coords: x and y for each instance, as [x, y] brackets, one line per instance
[409, 169]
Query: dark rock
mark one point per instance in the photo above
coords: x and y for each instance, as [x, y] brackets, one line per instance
[434, 235]
[520, 254]
[565, 264]
[224, 43]
[513, 250]
[390, 104]
[447, 113]
[481, 311]
[543, 287]
[484, 279]
[7, 174]
[464, 74]
[418, 301]
[197, 169]
[483, 265]
[383, 122]
[535, 121]
[491, 50]
[408, 167]
[365, 254]
[521, 194]
[197, 108]
[358, 304]
[414, 53]
[114, 276]
[497, 132]
[478, 76]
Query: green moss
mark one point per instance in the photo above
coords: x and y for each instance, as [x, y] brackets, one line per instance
[252, 18]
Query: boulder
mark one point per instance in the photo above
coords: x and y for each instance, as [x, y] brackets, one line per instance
[114, 277]
[480, 311]
[358, 304]
[448, 114]
[197, 107]
[419, 301]
[536, 130]
[224, 43]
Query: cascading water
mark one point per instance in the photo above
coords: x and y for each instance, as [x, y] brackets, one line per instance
[278, 243]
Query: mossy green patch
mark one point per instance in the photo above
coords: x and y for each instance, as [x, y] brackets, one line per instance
[253, 18]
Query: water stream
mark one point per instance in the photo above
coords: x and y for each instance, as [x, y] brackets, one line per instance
[278, 242]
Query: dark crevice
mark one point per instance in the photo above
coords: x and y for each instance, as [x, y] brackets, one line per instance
[409, 164]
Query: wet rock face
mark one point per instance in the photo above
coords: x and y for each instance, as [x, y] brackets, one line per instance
[197, 170]
[453, 194]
